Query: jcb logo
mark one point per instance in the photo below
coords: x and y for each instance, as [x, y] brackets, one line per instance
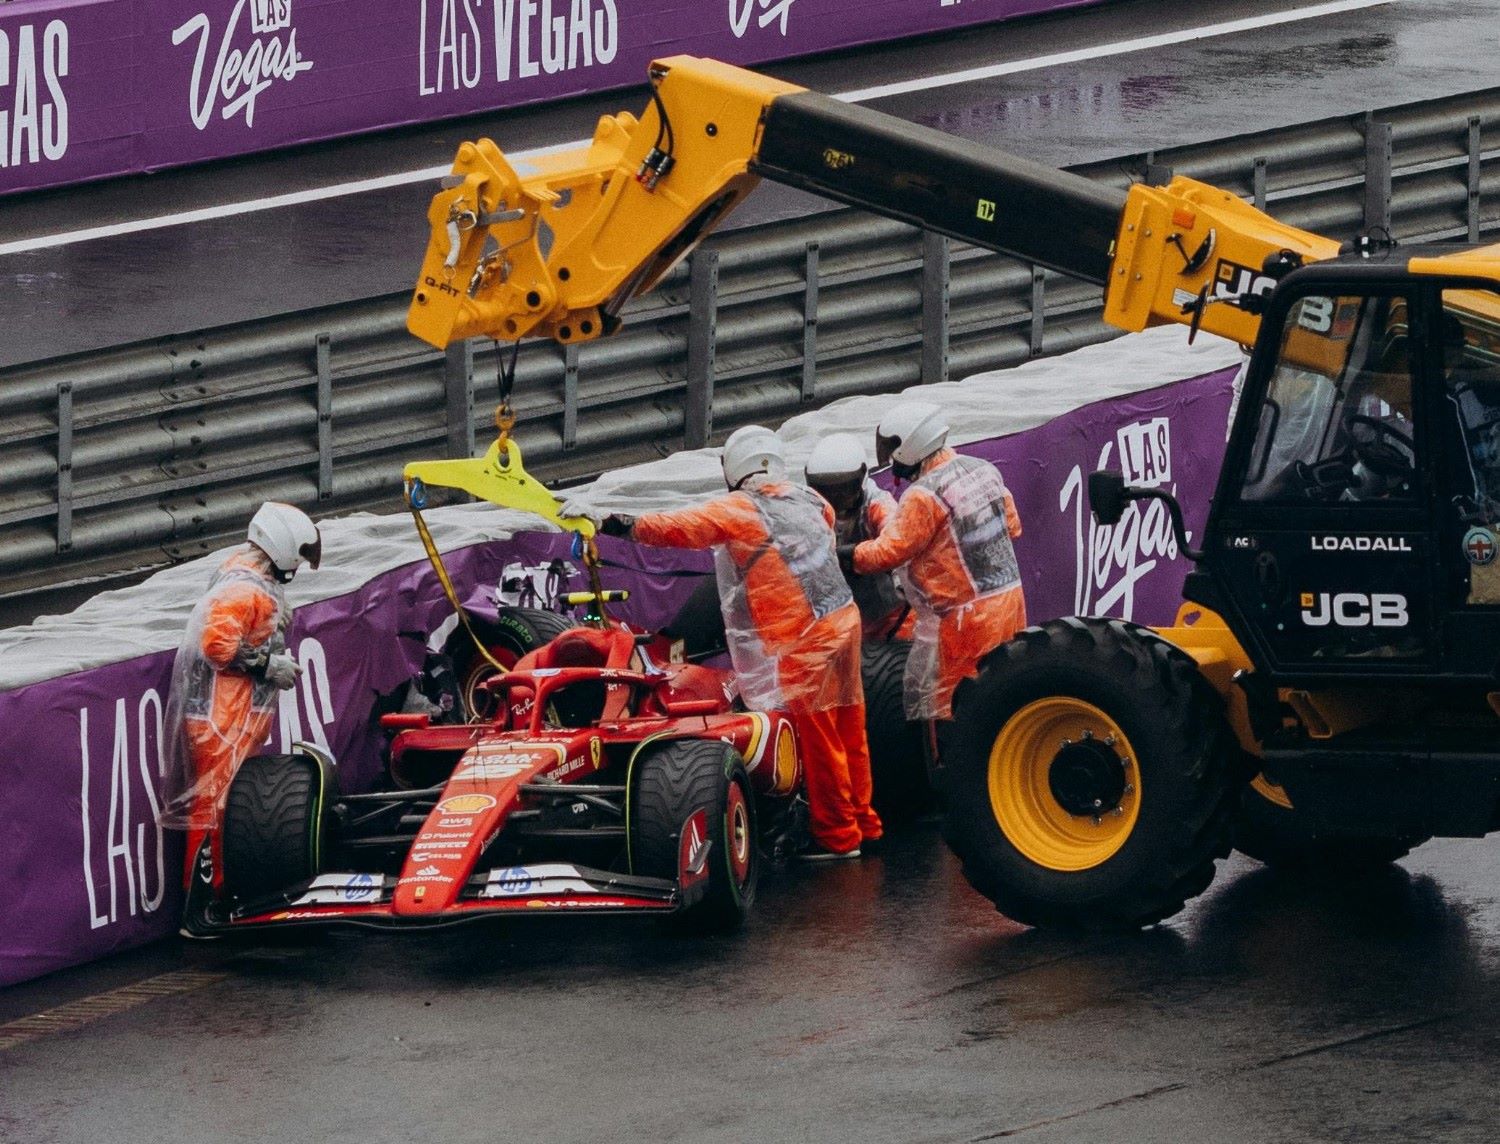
[1354, 610]
[1231, 280]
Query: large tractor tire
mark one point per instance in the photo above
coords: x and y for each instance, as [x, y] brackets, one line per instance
[668, 785]
[1271, 831]
[273, 825]
[513, 633]
[1090, 777]
[902, 791]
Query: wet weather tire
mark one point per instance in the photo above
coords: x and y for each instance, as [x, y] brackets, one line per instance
[1091, 778]
[1277, 835]
[668, 785]
[513, 633]
[896, 761]
[273, 825]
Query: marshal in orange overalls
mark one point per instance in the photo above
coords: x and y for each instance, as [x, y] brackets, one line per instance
[951, 537]
[793, 635]
[220, 707]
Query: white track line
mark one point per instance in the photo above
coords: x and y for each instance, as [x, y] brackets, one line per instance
[861, 95]
[1120, 47]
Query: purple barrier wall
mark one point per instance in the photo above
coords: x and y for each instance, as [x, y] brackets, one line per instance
[88, 872]
[90, 88]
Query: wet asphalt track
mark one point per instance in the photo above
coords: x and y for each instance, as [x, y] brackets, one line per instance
[877, 1001]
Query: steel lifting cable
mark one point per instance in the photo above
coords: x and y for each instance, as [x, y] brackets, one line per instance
[505, 382]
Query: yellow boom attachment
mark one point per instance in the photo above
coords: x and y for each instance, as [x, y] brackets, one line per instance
[555, 245]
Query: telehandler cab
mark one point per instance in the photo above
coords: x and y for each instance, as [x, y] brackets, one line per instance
[1330, 692]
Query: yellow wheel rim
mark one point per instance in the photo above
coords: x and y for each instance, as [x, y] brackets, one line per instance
[1064, 783]
[1269, 791]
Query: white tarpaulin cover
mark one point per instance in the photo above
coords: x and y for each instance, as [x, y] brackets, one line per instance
[150, 616]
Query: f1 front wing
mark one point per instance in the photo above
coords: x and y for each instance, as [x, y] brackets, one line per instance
[365, 899]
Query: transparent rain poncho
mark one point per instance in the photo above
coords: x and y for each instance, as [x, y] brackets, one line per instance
[789, 616]
[955, 584]
[220, 707]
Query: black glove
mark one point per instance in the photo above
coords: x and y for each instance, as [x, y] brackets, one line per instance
[617, 524]
[846, 559]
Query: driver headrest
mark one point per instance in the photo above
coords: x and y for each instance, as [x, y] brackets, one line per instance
[586, 647]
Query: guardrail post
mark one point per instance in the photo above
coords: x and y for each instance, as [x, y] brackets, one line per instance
[935, 266]
[458, 377]
[1258, 184]
[64, 466]
[325, 417]
[1038, 307]
[570, 395]
[1377, 174]
[810, 324]
[1474, 153]
[703, 323]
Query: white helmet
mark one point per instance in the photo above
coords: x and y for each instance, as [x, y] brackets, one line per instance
[287, 535]
[750, 450]
[909, 433]
[836, 468]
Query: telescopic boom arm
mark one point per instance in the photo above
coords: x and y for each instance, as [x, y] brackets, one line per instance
[555, 246]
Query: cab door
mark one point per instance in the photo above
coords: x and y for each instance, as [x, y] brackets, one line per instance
[1464, 378]
[1324, 541]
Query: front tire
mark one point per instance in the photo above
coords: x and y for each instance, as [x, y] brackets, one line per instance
[669, 785]
[1272, 832]
[1090, 777]
[273, 825]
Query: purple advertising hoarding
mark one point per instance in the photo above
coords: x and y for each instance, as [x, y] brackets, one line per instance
[89, 872]
[91, 88]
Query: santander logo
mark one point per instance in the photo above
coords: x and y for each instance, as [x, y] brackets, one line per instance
[1112, 559]
[251, 54]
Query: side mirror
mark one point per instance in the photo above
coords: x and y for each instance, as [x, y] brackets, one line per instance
[1107, 496]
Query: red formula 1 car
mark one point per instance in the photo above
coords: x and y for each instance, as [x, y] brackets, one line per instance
[608, 781]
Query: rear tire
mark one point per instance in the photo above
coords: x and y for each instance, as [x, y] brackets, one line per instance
[513, 633]
[273, 825]
[1272, 832]
[670, 784]
[897, 764]
[1090, 778]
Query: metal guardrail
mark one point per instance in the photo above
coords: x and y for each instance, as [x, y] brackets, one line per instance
[159, 451]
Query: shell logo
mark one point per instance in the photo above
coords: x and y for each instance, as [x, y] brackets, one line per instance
[465, 804]
[786, 758]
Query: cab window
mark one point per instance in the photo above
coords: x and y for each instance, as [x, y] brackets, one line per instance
[1337, 421]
